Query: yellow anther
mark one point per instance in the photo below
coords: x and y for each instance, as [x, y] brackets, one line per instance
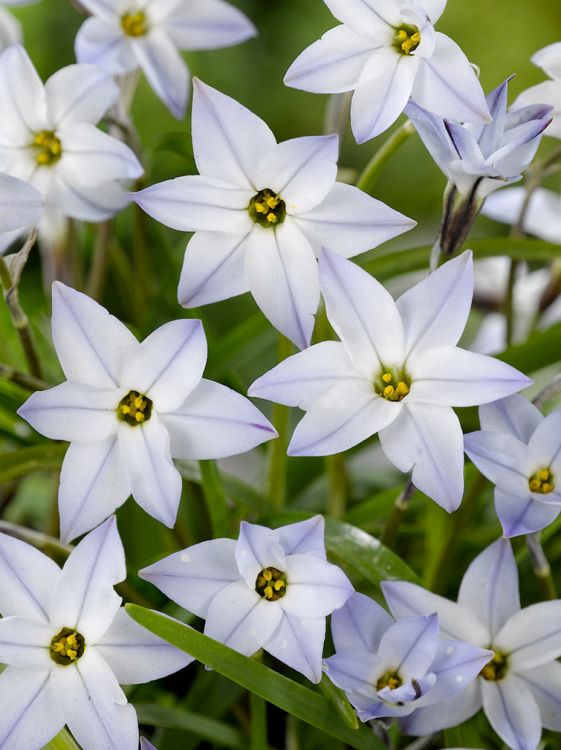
[389, 391]
[543, 474]
[72, 642]
[271, 218]
[134, 24]
[267, 208]
[139, 416]
[71, 654]
[271, 584]
[542, 482]
[125, 409]
[48, 148]
[402, 388]
[546, 488]
[535, 484]
[278, 585]
[135, 408]
[272, 201]
[387, 377]
[402, 34]
[58, 647]
[261, 208]
[496, 669]
[406, 39]
[67, 647]
[267, 575]
[268, 591]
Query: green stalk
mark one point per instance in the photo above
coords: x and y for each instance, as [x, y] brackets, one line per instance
[258, 712]
[337, 475]
[28, 382]
[369, 176]
[98, 268]
[63, 741]
[215, 498]
[401, 505]
[541, 566]
[278, 460]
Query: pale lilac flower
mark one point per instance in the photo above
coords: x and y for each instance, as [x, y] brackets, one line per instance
[388, 52]
[268, 590]
[68, 644]
[261, 212]
[10, 27]
[48, 138]
[389, 668]
[128, 408]
[519, 450]
[21, 205]
[145, 745]
[397, 371]
[542, 214]
[548, 92]
[520, 690]
[124, 35]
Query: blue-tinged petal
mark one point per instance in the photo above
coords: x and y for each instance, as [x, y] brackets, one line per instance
[298, 642]
[207, 25]
[435, 136]
[22, 98]
[543, 218]
[449, 713]
[513, 712]
[490, 586]
[356, 671]
[25, 643]
[464, 144]
[367, 16]
[79, 93]
[409, 692]
[544, 448]
[20, 204]
[549, 59]
[411, 644]
[258, 548]
[100, 41]
[502, 458]
[456, 665]
[545, 683]
[88, 152]
[164, 68]
[532, 636]
[515, 415]
[314, 587]
[359, 624]
[497, 101]
[145, 745]
[523, 515]
[194, 576]
[434, 8]
[304, 537]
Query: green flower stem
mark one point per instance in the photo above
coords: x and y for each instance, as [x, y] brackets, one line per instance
[369, 176]
[17, 314]
[338, 484]
[63, 741]
[401, 505]
[278, 460]
[548, 392]
[29, 382]
[258, 712]
[541, 566]
[215, 498]
[98, 269]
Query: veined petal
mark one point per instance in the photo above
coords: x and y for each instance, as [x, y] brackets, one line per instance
[359, 624]
[523, 515]
[532, 636]
[79, 94]
[84, 597]
[135, 655]
[544, 447]
[341, 418]
[514, 415]
[502, 458]
[302, 171]
[315, 587]
[456, 665]
[194, 576]
[258, 548]
[411, 644]
[356, 671]
[105, 8]
[30, 718]
[303, 537]
[434, 134]
[194, 203]
[490, 586]
[456, 377]
[91, 344]
[382, 91]
[215, 422]
[229, 141]
[22, 97]
[83, 202]
[213, 269]
[94, 706]
[435, 311]
[20, 204]
[282, 273]
[155, 482]
[306, 376]
[93, 484]
[350, 222]
[73, 412]
[164, 68]
[372, 15]
[333, 64]
[100, 41]
[545, 683]
[435, 8]
[210, 24]
[547, 91]
[363, 314]
[25, 643]
[446, 84]
[427, 440]
[513, 712]
[407, 599]
[241, 619]
[449, 713]
[27, 580]
[168, 365]
[298, 642]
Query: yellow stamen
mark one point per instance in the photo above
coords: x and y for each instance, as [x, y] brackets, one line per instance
[271, 218]
[542, 482]
[134, 409]
[267, 208]
[271, 584]
[48, 148]
[135, 24]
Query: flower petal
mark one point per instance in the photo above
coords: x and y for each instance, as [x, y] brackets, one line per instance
[544, 448]
[27, 580]
[449, 713]
[79, 93]
[363, 314]
[135, 655]
[356, 672]
[73, 412]
[427, 440]
[514, 415]
[347, 414]
[513, 712]
[257, 548]
[456, 665]
[105, 8]
[213, 269]
[85, 203]
[207, 25]
[100, 41]
[359, 624]
[168, 365]
[155, 482]
[241, 619]
[298, 642]
[412, 645]
[22, 97]
[532, 636]
[93, 484]
[20, 204]
[215, 422]
[545, 683]
[194, 576]
[366, 16]
[350, 222]
[523, 515]
[456, 377]
[306, 376]
[447, 85]
[25, 643]
[407, 599]
[228, 139]
[315, 588]
[542, 218]
[84, 597]
[303, 537]
[333, 64]
[436, 310]
[434, 8]
[434, 134]
[502, 458]
[91, 344]
[282, 273]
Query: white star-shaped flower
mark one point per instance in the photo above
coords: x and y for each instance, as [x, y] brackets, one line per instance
[397, 371]
[68, 645]
[124, 35]
[128, 408]
[261, 211]
[388, 52]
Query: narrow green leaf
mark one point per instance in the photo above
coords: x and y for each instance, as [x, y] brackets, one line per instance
[63, 741]
[340, 702]
[542, 349]
[288, 695]
[19, 463]
[211, 730]
[215, 498]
